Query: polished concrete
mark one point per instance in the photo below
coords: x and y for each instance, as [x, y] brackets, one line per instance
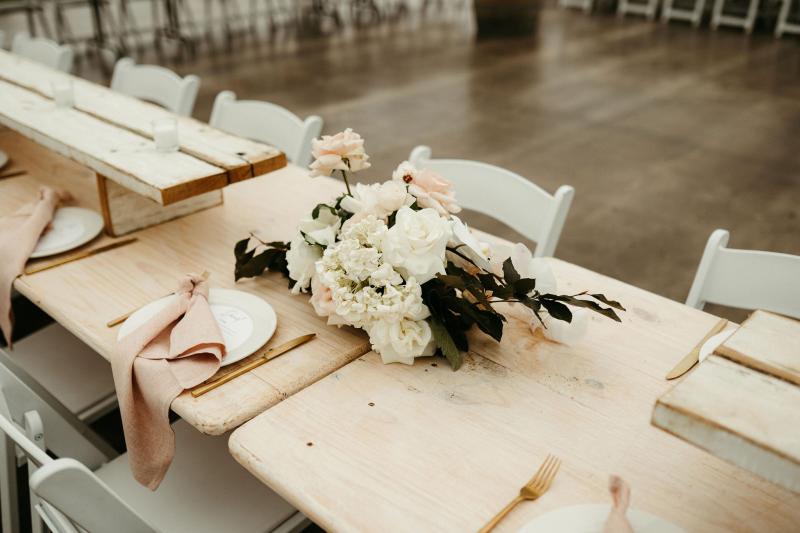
[666, 132]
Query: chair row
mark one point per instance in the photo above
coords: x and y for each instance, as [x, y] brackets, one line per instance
[693, 12]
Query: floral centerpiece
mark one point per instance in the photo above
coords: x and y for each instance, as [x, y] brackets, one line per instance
[393, 259]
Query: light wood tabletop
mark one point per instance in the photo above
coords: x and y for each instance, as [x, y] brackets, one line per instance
[376, 447]
[112, 134]
[84, 295]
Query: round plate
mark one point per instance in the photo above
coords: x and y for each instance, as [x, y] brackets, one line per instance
[71, 227]
[591, 517]
[3, 159]
[713, 343]
[247, 322]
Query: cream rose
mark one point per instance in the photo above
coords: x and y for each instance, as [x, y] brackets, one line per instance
[400, 341]
[533, 267]
[343, 151]
[416, 244]
[301, 260]
[564, 332]
[322, 229]
[378, 199]
[430, 189]
[468, 245]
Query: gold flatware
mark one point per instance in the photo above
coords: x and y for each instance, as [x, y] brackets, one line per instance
[691, 359]
[122, 318]
[270, 354]
[81, 255]
[533, 489]
[13, 173]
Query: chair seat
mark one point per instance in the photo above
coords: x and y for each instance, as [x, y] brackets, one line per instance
[204, 490]
[71, 371]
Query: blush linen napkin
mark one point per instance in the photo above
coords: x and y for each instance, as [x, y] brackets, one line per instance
[617, 521]
[179, 347]
[19, 233]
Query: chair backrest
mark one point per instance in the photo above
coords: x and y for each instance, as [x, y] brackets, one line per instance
[71, 495]
[746, 279]
[156, 84]
[43, 51]
[505, 196]
[267, 123]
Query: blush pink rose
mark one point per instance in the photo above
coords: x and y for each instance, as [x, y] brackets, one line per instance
[430, 188]
[343, 151]
[322, 301]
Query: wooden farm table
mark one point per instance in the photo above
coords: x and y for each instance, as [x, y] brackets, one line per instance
[376, 447]
[111, 133]
[84, 295]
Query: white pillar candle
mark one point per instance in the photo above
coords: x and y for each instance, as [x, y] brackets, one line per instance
[165, 134]
[63, 93]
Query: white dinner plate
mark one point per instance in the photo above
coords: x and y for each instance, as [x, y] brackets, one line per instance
[713, 343]
[591, 517]
[3, 159]
[71, 227]
[247, 322]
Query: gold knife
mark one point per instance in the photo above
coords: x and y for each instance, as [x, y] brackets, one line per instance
[272, 353]
[691, 359]
[81, 255]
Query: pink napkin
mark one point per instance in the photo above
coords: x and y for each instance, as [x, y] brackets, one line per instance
[19, 233]
[178, 348]
[617, 522]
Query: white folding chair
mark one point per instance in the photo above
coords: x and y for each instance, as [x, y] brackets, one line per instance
[783, 25]
[156, 84]
[43, 51]
[78, 377]
[505, 196]
[746, 279]
[586, 5]
[204, 490]
[647, 8]
[720, 18]
[693, 15]
[267, 123]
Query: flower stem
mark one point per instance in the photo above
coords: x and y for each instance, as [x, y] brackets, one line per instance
[346, 183]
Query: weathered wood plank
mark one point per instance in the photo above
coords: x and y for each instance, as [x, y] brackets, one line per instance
[86, 294]
[240, 158]
[739, 414]
[127, 158]
[767, 342]
[125, 211]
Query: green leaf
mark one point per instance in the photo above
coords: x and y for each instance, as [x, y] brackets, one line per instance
[557, 310]
[445, 343]
[612, 303]
[523, 287]
[588, 304]
[510, 274]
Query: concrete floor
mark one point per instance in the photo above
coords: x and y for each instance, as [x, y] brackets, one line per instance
[666, 132]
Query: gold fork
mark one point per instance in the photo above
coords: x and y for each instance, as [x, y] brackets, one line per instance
[532, 490]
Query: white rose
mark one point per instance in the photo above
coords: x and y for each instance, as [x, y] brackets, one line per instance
[468, 245]
[416, 244]
[533, 267]
[400, 341]
[300, 259]
[564, 332]
[378, 199]
[322, 229]
[343, 151]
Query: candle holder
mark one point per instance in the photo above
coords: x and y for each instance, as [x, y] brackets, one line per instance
[165, 134]
[63, 93]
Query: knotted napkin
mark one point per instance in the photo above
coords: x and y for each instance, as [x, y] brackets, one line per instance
[19, 233]
[179, 347]
[617, 521]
